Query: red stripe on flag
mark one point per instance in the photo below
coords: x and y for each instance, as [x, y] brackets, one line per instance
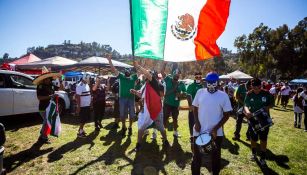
[211, 24]
[153, 102]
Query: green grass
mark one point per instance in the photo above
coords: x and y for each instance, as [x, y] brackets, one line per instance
[106, 153]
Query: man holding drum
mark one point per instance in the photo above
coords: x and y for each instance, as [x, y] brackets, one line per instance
[212, 108]
[257, 99]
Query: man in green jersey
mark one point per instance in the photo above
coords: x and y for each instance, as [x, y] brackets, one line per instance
[240, 96]
[126, 99]
[256, 99]
[171, 101]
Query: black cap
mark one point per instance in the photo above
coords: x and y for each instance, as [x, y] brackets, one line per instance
[256, 82]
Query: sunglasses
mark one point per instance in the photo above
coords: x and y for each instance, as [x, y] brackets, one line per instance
[197, 77]
[212, 84]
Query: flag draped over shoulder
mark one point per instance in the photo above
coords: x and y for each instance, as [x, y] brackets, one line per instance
[177, 30]
[152, 107]
[53, 125]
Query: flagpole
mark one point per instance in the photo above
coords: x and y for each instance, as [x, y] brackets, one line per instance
[131, 29]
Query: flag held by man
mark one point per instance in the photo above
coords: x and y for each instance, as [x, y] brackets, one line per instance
[177, 30]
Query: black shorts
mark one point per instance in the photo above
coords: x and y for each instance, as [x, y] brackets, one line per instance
[99, 108]
[170, 110]
[85, 113]
[262, 135]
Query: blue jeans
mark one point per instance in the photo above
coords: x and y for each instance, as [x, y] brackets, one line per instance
[126, 105]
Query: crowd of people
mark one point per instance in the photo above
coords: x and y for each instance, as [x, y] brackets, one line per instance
[153, 97]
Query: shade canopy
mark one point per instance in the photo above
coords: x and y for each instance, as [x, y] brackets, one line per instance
[236, 75]
[49, 63]
[299, 81]
[29, 58]
[94, 63]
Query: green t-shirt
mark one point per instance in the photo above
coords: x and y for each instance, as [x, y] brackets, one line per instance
[257, 101]
[170, 95]
[241, 90]
[125, 84]
[193, 88]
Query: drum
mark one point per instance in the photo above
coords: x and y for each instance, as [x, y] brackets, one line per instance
[260, 120]
[205, 143]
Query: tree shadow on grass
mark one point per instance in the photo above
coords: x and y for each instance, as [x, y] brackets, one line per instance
[13, 161]
[72, 146]
[115, 151]
[16, 122]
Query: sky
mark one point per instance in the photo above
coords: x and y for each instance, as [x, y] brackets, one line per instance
[28, 23]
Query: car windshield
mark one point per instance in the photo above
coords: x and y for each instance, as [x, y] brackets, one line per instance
[22, 82]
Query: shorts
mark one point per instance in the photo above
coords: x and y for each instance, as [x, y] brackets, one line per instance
[170, 110]
[262, 135]
[85, 113]
[126, 105]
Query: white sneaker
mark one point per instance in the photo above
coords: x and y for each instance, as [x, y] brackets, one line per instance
[146, 132]
[154, 135]
[176, 134]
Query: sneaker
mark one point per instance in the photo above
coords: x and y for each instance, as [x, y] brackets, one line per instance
[81, 135]
[236, 138]
[253, 157]
[305, 130]
[137, 147]
[262, 163]
[146, 132]
[154, 135]
[176, 134]
[100, 125]
[166, 144]
[130, 131]
[44, 140]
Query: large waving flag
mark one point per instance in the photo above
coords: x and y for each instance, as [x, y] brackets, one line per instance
[152, 107]
[177, 30]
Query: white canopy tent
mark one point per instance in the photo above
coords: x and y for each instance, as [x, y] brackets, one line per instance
[95, 64]
[236, 75]
[53, 62]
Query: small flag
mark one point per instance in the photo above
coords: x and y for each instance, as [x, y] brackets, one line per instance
[53, 119]
[177, 30]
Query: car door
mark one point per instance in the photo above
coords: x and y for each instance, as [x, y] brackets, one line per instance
[6, 97]
[25, 99]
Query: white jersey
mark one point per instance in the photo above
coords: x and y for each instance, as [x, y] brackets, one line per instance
[210, 109]
[83, 90]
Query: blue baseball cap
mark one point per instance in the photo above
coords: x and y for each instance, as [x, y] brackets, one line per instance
[212, 77]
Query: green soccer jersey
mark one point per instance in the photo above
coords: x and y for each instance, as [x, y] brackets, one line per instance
[125, 84]
[193, 88]
[257, 101]
[242, 92]
[170, 94]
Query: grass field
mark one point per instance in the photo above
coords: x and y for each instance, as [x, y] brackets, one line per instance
[107, 152]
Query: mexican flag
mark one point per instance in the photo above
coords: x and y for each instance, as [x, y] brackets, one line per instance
[177, 30]
[152, 107]
[53, 120]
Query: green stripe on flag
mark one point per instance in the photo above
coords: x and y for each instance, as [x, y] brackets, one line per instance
[149, 22]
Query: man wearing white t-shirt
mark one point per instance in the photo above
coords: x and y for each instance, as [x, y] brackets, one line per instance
[83, 97]
[285, 94]
[212, 108]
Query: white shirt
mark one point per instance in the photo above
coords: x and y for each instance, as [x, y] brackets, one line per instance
[210, 109]
[285, 90]
[83, 90]
[304, 95]
[273, 90]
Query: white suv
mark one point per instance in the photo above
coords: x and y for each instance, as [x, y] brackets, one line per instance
[18, 94]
